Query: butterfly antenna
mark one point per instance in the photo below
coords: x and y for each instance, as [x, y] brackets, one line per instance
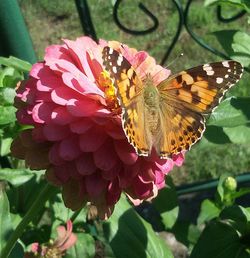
[174, 60]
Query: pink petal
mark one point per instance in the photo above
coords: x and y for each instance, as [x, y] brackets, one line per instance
[126, 152]
[61, 116]
[69, 148]
[94, 184]
[85, 164]
[55, 132]
[81, 126]
[41, 112]
[105, 157]
[54, 155]
[36, 68]
[82, 108]
[92, 139]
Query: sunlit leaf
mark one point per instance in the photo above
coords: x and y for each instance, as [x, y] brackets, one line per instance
[166, 203]
[131, 236]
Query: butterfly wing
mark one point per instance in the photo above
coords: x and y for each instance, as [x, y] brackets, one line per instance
[129, 89]
[186, 98]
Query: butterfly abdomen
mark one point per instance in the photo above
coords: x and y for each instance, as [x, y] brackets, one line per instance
[151, 103]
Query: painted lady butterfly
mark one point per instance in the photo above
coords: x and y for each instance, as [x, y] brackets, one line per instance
[170, 116]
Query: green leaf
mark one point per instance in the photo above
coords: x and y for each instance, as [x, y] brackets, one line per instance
[234, 3]
[9, 77]
[15, 177]
[215, 134]
[131, 236]
[208, 212]
[166, 204]
[236, 213]
[5, 146]
[231, 112]
[219, 240]
[84, 247]
[7, 115]
[8, 95]
[239, 134]
[5, 219]
[236, 44]
[16, 63]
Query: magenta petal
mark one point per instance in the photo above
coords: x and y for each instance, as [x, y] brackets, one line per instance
[178, 159]
[41, 112]
[126, 152]
[69, 148]
[81, 84]
[82, 108]
[62, 172]
[92, 139]
[85, 164]
[55, 132]
[105, 157]
[94, 184]
[113, 193]
[61, 116]
[141, 189]
[54, 156]
[81, 126]
[36, 68]
[62, 95]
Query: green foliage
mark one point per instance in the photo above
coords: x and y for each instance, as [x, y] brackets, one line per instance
[222, 227]
[130, 236]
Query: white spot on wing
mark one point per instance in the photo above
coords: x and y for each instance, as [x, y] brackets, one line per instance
[111, 51]
[210, 72]
[114, 69]
[226, 76]
[119, 60]
[219, 80]
[225, 63]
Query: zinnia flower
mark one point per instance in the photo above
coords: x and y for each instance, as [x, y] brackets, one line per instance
[57, 247]
[77, 136]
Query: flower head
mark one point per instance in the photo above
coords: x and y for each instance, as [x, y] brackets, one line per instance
[77, 136]
[57, 247]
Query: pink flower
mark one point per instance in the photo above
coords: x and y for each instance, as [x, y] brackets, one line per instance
[76, 134]
[57, 247]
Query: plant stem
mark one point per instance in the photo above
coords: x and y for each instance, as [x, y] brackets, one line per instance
[35, 208]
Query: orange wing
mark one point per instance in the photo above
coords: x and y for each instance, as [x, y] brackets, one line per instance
[186, 98]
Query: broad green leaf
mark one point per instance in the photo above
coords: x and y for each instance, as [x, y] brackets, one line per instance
[5, 146]
[6, 225]
[16, 63]
[235, 44]
[7, 115]
[236, 213]
[166, 204]
[231, 112]
[208, 212]
[215, 134]
[131, 236]
[84, 247]
[16, 177]
[8, 95]
[9, 77]
[239, 134]
[219, 240]
[241, 48]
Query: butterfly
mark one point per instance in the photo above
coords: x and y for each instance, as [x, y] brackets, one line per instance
[169, 117]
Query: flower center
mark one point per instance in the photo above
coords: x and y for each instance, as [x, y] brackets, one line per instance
[109, 89]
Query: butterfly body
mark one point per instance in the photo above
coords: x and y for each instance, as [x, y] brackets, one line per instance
[170, 116]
